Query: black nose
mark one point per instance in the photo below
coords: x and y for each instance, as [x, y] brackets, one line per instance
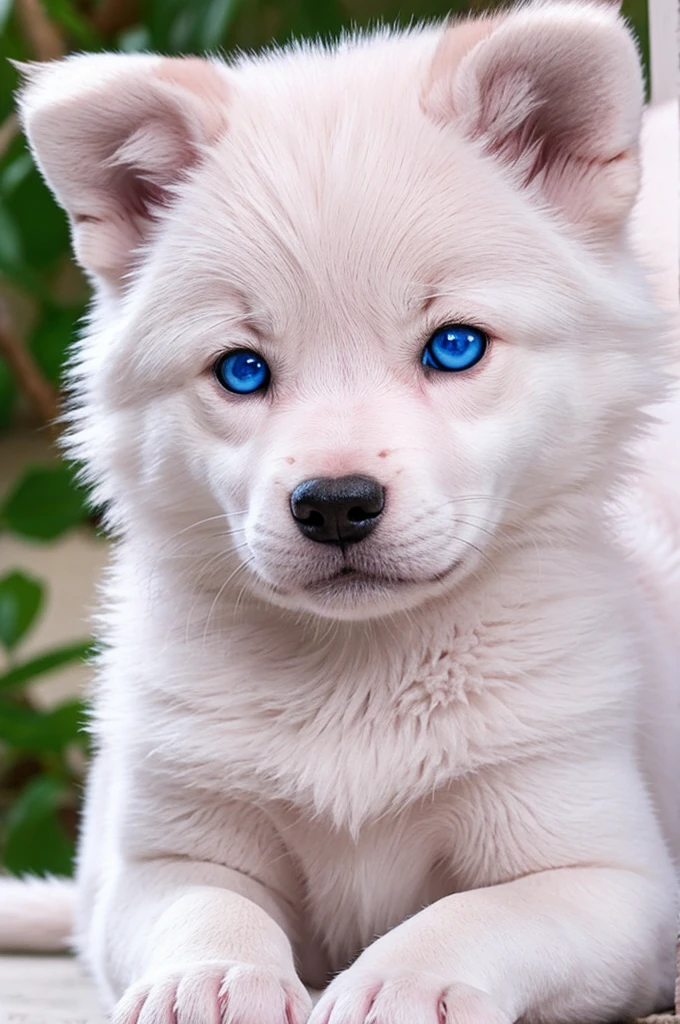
[337, 510]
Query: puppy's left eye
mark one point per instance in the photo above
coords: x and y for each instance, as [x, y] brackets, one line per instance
[242, 372]
[454, 348]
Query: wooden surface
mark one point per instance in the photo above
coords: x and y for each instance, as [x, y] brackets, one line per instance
[46, 990]
[56, 990]
[49, 990]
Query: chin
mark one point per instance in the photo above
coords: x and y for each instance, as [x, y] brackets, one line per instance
[355, 596]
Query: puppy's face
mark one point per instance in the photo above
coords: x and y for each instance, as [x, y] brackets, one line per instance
[360, 354]
[370, 383]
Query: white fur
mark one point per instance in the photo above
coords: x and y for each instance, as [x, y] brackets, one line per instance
[36, 913]
[480, 769]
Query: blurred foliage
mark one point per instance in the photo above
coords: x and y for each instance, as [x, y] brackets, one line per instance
[44, 504]
[42, 751]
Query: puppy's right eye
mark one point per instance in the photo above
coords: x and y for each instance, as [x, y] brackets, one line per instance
[455, 348]
[242, 371]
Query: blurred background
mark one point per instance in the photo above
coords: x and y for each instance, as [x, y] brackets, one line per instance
[51, 548]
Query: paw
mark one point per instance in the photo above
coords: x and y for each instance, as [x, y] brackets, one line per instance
[215, 993]
[402, 997]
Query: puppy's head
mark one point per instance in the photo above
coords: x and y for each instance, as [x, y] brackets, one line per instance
[363, 315]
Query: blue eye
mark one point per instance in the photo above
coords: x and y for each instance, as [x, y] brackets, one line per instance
[242, 371]
[454, 348]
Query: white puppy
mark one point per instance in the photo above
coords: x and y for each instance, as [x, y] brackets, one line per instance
[389, 687]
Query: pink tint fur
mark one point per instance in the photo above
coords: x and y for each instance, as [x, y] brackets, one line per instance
[450, 781]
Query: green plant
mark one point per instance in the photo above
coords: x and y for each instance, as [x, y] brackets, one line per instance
[41, 749]
[42, 297]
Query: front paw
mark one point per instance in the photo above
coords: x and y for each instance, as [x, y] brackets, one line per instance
[222, 992]
[403, 997]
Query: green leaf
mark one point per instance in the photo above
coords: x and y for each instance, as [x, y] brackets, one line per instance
[215, 22]
[17, 165]
[44, 504]
[31, 730]
[69, 17]
[325, 19]
[64, 725]
[50, 340]
[135, 39]
[8, 394]
[21, 598]
[178, 27]
[35, 841]
[5, 10]
[13, 46]
[15, 170]
[41, 224]
[17, 725]
[11, 249]
[19, 675]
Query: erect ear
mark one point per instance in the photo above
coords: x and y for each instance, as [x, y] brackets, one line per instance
[112, 134]
[555, 93]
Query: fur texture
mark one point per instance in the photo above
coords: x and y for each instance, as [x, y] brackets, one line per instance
[36, 913]
[451, 775]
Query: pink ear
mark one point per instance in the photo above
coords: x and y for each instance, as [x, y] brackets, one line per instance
[554, 92]
[112, 134]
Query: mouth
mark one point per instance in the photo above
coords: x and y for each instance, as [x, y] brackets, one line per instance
[349, 577]
[351, 593]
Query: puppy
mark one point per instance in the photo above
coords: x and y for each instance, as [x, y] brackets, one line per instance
[388, 690]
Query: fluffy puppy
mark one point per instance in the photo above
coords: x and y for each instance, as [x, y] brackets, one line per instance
[389, 681]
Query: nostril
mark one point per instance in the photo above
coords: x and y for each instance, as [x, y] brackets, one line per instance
[359, 515]
[312, 518]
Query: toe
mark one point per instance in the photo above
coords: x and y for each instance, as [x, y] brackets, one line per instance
[407, 1000]
[198, 999]
[159, 1005]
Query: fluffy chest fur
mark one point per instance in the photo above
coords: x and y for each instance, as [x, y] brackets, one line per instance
[358, 888]
[358, 725]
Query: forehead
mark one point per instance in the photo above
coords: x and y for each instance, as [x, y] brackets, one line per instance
[333, 198]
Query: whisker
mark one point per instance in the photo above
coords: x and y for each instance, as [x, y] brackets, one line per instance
[199, 573]
[486, 497]
[242, 566]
